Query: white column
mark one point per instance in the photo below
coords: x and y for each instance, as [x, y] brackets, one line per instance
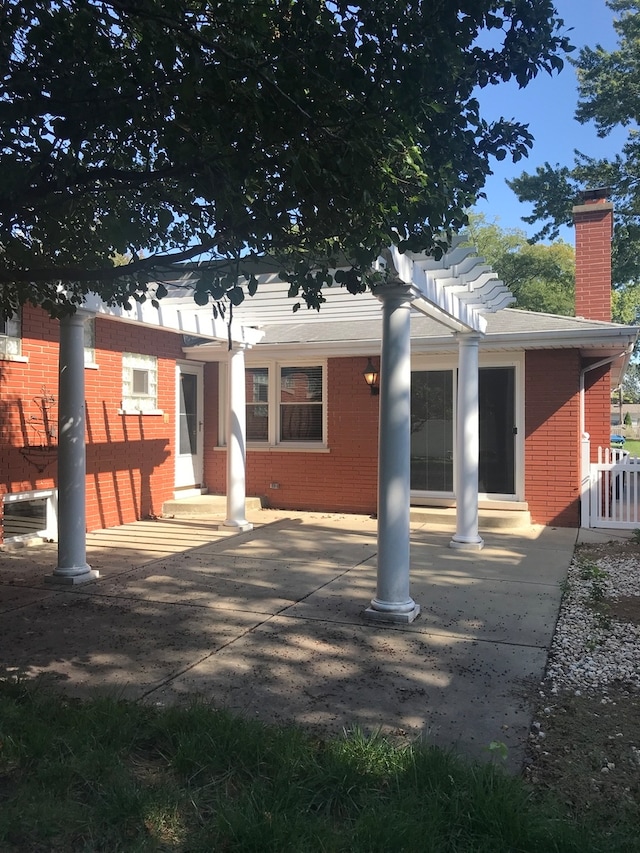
[393, 602]
[466, 536]
[72, 542]
[236, 442]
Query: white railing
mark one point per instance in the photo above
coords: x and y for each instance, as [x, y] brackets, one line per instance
[614, 493]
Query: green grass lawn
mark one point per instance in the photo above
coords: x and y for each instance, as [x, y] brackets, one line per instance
[112, 776]
[632, 446]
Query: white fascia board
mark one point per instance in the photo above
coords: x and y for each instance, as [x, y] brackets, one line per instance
[585, 339]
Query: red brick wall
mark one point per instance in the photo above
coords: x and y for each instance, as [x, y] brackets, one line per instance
[130, 468]
[342, 480]
[552, 442]
[130, 458]
[597, 414]
[22, 387]
[594, 224]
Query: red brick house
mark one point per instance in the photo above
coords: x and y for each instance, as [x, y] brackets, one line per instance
[156, 413]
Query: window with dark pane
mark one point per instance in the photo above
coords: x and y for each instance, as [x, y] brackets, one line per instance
[432, 430]
[9, 334]
[257, 394]
[301, 404]
[188, 413]
[25, 518]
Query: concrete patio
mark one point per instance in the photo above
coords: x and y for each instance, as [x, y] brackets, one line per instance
[268, 624]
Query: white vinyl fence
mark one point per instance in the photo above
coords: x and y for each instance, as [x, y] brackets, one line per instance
[613, 492]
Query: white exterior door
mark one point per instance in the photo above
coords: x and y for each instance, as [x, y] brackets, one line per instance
[189, 425]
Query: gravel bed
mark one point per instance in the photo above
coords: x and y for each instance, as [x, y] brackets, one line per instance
[593, 650]
[584, 743]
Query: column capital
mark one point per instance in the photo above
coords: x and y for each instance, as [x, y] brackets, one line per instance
[397, 291]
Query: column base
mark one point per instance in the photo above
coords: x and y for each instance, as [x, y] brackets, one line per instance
[243, 526]
[73, 580]
[467, 544]
[372, 615]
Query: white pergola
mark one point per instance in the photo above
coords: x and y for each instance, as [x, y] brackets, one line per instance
[456, 290]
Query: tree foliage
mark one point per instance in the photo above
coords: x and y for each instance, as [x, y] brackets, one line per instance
[170, 130]
[630, 385]
[609, 96]
[540, 276]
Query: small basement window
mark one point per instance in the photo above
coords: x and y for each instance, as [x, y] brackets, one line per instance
[30, 514]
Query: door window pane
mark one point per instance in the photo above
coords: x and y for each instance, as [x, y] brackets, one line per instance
[497, 438]
[432, 431]
[188, 414]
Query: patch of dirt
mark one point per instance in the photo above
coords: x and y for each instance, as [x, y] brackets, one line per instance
[590, 755]
[625, 609]
[619, 549]
[585, 749]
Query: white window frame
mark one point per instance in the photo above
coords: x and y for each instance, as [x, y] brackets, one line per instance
[265, 403]
[423, 361]
[274, 441]
[138, 403]
[90, 343]
[280, 403]
[11, 337]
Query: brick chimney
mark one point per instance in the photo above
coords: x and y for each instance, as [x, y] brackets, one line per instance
[593, 221]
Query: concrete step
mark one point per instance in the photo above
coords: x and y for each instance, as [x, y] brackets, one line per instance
[202, 506]
[215, 506]
[488, 519]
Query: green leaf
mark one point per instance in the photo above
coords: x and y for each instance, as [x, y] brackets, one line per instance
[236, 295]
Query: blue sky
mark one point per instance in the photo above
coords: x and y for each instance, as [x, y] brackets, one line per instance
[548, 105]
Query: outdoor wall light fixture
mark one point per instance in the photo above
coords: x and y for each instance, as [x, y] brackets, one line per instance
[371, 378]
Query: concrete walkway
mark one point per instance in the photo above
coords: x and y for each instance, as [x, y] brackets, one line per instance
[269, 625]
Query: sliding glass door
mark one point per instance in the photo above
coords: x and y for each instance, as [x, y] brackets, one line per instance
[433, 431]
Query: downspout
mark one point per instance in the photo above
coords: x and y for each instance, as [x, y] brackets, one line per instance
[585, 370]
